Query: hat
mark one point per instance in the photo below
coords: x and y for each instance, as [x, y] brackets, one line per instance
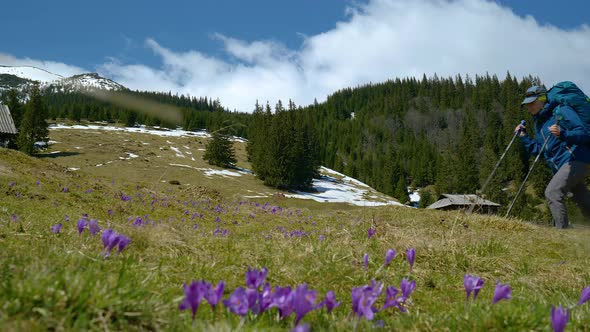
[533, 93]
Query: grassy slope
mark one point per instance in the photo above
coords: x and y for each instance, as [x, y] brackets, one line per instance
[62, 281]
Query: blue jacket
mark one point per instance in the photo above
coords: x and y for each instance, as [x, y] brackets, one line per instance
[572, 144]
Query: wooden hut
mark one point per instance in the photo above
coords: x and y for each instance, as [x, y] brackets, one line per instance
[460, 202]
[8, 131]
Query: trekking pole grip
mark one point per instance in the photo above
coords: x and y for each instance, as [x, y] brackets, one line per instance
[522, 123]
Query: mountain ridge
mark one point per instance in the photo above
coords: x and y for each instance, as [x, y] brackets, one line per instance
[22, 77]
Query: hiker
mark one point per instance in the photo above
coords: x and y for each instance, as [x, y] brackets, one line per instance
[567, 152]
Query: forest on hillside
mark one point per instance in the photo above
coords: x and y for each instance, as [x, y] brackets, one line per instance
[443, 135]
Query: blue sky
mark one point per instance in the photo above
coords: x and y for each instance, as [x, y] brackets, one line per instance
[240, 51]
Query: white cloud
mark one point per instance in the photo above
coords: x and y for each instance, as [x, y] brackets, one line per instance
[50, 66]
[379, 40]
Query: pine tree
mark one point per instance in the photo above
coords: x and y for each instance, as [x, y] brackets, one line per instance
[15, 106]
[33, 127]
[220, 151]
[426, 199]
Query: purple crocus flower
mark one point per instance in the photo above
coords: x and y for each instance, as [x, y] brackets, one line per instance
[113, 240]
[56, 228]
[303, 302]
[389, 256]
[411, 254]
[502, 292]
[252, 295]
[193, 295]
[472, 284]
[330, 301]
[93, 227]
[82, 223]
[214, 294]
[237, 302]
[371, 232]
[105, 237]
[265, 298]
[363, 299]
[407, 288]
[282, 299]
[391, 299]
[255, 278]
[123, 242]
[366, 261]
[559, 318]
[11, 184]
[585, 297]
[110, 239]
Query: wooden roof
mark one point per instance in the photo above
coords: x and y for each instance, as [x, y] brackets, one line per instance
[460, 200]
[6, 123]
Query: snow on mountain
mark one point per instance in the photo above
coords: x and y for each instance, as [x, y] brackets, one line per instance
[56, 82]
[30, 73]
[89, 81]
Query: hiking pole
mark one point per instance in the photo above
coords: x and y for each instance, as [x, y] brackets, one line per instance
[485, 185]
[529, 173]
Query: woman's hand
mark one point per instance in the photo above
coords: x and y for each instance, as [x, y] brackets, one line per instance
[520, 130]
[555, 130]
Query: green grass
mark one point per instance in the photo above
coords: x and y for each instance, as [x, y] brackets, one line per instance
[62, 281]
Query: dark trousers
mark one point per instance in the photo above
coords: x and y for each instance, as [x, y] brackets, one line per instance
[569, 178]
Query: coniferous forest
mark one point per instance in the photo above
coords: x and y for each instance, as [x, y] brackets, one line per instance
[443, 135]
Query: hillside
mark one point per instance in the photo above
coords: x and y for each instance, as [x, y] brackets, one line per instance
[186, 226]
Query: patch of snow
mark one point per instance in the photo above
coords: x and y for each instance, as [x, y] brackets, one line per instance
[414, 196]
[345, 190]
[73, 168]
[224, 173]
[178, 153]
[185, 166]
[141, 130]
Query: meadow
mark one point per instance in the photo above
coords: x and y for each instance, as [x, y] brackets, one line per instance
[186, 227]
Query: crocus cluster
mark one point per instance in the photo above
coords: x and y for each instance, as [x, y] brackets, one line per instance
[111, 239]
[258, 297]
[91, 224]
[365, 297]
[474, 284]
[199, 290]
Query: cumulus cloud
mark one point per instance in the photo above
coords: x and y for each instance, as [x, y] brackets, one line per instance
[379, 40]
[50, 66]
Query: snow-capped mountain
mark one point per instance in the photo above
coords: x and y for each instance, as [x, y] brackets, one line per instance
[30, 73]
[85, 81]
[22, 77]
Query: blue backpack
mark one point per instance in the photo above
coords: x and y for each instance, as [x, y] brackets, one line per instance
[567, 93]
